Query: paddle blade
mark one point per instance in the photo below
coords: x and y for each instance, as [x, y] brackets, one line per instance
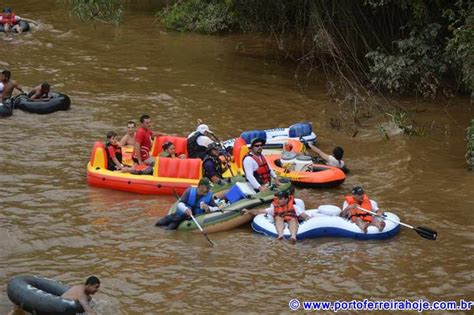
[426, 233]
[208, 239]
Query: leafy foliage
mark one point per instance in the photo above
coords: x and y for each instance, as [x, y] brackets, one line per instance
[417, 67]
[106, 11]
[460, 45]
[402, 46]
[210, 16]
[470, 146]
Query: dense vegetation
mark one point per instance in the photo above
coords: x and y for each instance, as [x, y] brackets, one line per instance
[404, 46]
[416, 47]
[470, 146]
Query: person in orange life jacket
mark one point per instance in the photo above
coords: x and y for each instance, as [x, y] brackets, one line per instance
[9, 85]
[41, 92]
[361, 218]
[198, 141]
[10, 20]
[212, 165]
[257, 171]
[114, 153]
[129, 137]
[169, 151]
[195, 200]
[284, 208]
[143, 137]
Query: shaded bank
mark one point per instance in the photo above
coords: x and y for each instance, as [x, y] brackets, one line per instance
[409, 47]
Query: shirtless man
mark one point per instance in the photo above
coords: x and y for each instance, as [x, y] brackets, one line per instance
[9, 85]
[78, 293]
[129, 137]
[41, 92]
[82, 293]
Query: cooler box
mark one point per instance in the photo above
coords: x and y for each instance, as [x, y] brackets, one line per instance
[303, 162]
[239, 191]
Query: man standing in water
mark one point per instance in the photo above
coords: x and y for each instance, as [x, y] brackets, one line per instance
[82, 293]
[8, 85]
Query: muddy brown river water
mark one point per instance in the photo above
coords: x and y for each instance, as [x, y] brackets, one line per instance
[53, 224]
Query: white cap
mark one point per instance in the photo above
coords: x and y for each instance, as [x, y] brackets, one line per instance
[203, 128]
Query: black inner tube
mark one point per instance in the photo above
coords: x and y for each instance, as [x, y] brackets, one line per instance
[39, 295]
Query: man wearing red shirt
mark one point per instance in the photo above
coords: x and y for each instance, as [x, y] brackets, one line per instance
[143, 142]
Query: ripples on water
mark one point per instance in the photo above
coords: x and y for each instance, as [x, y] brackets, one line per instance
[53, 224]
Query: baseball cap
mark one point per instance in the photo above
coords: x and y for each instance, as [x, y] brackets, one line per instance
[203, 128]
[256, 140]
[204, 182]
[357, 190]
[283, 194]
[7, 10]
[212, 146]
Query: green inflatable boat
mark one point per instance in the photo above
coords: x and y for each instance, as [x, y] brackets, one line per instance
[237, 195]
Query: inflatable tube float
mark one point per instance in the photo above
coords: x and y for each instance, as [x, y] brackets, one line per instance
[276, 137]
[25, 26]
[302, 172]
[170, 175]
[57, 102]
[326, 222]
[6, 108]
[238, 197]
[39, 295]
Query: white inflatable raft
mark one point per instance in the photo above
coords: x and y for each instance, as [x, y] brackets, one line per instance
[276, 137]
[325, 222]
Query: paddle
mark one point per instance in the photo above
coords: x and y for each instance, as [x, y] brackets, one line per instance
[202, 231]
[197, 223]
[422, 231]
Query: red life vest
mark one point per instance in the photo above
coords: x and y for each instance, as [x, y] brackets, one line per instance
[262, 174]
[287, 211]
[8, 19]
[359, 213]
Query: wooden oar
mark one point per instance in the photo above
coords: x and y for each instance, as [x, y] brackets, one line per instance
[422, 231]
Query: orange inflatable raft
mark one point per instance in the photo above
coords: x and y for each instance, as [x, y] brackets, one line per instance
[302, 172]
[169, 175]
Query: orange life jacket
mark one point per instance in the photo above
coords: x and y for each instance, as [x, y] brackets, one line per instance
[262, 174]
[8, 19]
[359, 213]
[287, 211]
